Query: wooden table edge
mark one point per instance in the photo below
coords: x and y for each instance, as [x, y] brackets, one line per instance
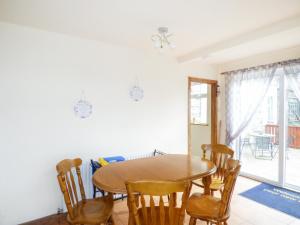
[124, 191]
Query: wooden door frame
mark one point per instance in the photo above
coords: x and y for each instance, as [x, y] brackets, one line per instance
[213, 108]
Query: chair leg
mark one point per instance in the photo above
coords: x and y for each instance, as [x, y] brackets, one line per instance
[111, 221]
[192, 221]
[94, 191]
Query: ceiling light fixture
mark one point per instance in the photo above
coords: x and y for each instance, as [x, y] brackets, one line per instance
[162, 39]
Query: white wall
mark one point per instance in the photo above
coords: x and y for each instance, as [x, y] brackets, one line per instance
[41, 77]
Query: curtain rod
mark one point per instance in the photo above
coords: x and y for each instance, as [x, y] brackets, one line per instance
[262, 66]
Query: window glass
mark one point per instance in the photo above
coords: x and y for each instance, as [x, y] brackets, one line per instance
[199, 103]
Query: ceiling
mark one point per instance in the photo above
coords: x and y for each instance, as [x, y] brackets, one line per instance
[216, 29]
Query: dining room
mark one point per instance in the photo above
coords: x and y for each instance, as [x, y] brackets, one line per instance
[150, 112]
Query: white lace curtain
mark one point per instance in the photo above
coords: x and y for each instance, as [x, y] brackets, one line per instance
[292, 74]
[246, 89]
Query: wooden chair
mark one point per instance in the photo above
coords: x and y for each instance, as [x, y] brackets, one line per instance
[219, 154]
[211, 209]
[80, 209]
[157, 191]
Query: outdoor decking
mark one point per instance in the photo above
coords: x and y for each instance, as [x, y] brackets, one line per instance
[268, 168]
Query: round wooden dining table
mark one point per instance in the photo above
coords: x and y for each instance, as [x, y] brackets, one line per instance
[169, 167]
[112, 178]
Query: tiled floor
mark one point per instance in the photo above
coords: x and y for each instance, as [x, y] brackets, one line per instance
[243, 211]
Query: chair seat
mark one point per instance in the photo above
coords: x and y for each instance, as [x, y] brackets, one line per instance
[92, 211]
[157, 211]
[216, 184]
[204, 207]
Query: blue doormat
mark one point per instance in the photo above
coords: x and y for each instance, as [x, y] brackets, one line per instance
[275, 197]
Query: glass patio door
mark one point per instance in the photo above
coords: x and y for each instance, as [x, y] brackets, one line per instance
[292, 133]
[269, 147]
[259, 143]
[263, 121]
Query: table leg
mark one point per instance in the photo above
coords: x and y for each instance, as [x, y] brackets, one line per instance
[130, 216]
[206, 181]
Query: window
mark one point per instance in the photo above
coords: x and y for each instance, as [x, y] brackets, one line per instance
[199, 94]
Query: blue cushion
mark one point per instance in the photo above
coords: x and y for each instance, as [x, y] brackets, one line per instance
[114, 159]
